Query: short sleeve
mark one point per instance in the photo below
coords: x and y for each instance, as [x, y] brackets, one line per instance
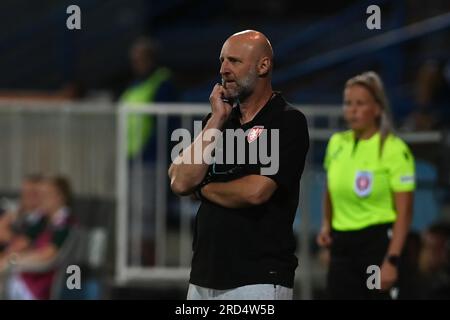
[401, 165]
[294, 145]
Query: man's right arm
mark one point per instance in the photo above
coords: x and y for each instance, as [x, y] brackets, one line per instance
[185, 175]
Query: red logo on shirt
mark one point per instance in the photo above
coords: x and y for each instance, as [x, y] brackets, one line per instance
[254, 133]
[363, 183]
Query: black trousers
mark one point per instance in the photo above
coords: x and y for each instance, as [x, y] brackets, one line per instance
[352, 252]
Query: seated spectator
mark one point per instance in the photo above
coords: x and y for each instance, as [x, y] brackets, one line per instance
[14, 225]
[48, 235]
[432, 100]
[434, 262]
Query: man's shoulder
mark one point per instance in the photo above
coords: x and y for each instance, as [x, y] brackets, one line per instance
[288, 111]
[293, 124]
[293, 115]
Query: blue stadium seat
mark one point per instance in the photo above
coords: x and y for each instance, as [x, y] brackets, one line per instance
[426, 206]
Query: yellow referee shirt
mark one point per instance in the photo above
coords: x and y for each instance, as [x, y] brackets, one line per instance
[361, 182]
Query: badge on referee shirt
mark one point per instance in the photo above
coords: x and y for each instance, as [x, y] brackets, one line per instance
[363, 183]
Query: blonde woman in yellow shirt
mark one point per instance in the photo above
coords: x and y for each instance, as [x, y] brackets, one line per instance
[369, 195]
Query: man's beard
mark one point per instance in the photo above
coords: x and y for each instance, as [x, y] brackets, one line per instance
[244, 87]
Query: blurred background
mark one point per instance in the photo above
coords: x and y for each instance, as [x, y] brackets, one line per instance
[98, 105]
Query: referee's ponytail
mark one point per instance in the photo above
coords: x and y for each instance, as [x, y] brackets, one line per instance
[373, 83]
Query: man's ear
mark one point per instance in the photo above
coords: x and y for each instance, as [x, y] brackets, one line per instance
[264, 66]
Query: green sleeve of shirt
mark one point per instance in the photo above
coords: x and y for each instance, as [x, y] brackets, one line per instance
[400, 164]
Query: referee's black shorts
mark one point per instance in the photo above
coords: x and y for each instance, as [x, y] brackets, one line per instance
[351, 253]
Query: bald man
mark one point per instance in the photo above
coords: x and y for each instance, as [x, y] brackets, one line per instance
[243, 239]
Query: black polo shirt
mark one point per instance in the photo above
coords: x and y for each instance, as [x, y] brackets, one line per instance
[255, 245]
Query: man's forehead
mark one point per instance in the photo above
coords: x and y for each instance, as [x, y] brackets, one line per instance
[236, 47]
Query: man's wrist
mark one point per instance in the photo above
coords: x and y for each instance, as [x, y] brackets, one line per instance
[217, 121]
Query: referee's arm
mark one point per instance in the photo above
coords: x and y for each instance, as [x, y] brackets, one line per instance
[404, 202]
[251, 190]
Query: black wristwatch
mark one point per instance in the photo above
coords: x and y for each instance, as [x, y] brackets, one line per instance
[393, 260]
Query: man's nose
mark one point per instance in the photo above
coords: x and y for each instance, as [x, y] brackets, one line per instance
[224, 68]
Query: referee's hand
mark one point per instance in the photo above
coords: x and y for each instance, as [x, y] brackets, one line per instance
[324, 237]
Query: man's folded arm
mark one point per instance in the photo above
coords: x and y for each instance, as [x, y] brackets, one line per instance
[184, 174]
[248, 191]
